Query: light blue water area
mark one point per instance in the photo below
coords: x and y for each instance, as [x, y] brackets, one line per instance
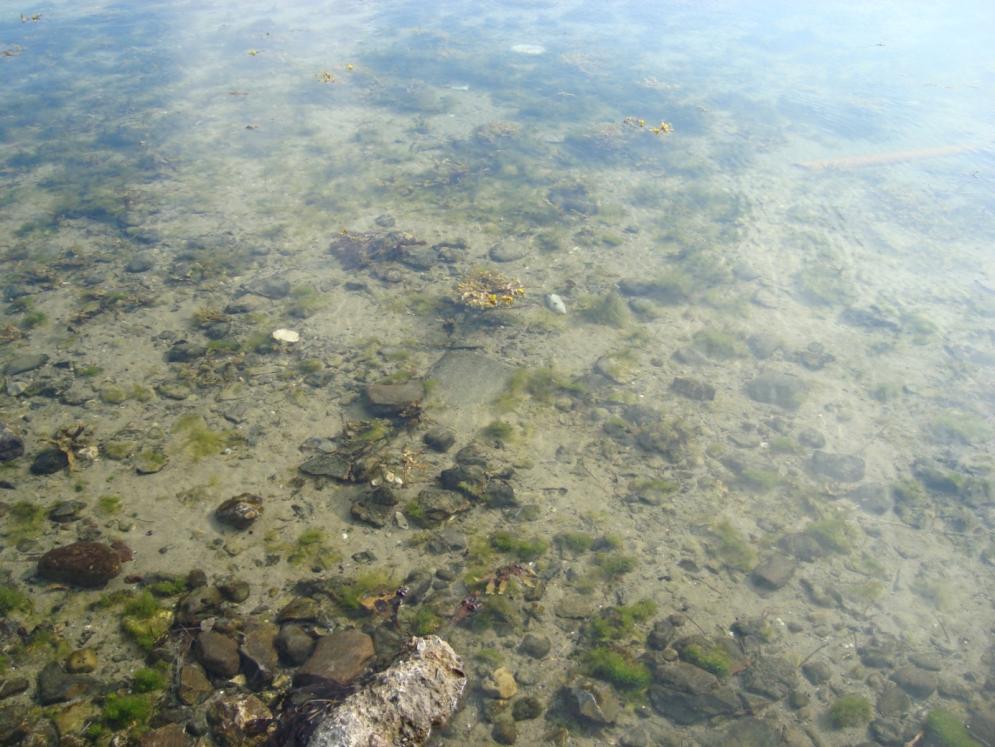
[702, 293]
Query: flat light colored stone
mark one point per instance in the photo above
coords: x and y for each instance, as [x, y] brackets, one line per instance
[286, 335]
[400, 705]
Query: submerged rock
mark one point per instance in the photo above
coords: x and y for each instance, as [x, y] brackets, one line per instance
[839, 467]
[24, 363]
[87, 564]
[782, 390]
[49, 461]
[241, 511]
[11, 445]
[239, 720]
[337, 660]
[686, 694]
[402, 704]
[395, 399]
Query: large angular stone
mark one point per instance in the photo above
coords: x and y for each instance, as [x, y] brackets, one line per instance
[337, 659]
[401, 706]
[218, 653]
[686, 694]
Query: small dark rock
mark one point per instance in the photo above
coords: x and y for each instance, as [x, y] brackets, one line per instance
[184, 351]
[218, 653]
[196, 578]
[802, 546]
[507, 252]
[839, 467]
[774, 572]
[535, 646]
[140, 263]
[817, 672]
[294, 644]
[241, 511]
[327, 465]
[439, 439]
[48, 462]
[86, 564]
[504, 731]
[11, 445]
[919, 683]
[198, 605]
[526, 709]
[693, 389]
[57, 686]
[433, 506]
[811, 438]
[66, 511]
[337, 659]
[234, 590]
[13, 686]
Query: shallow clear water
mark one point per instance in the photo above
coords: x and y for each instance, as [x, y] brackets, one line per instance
[758, 441]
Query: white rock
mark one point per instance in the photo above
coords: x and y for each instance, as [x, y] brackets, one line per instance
[555, 303]
[286, 335]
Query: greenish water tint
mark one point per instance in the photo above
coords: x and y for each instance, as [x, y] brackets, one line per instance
[647, 346]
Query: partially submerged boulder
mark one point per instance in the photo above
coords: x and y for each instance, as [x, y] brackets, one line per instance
[401, 704]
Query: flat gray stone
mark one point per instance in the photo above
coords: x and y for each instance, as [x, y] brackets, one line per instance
[773, 388]
[24, 363]
[466, 378]
[839, 467]
[774, 572]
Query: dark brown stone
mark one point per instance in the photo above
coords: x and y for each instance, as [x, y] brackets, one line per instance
[193, 687]
[11, 445]
[337, 659]
[171, 735]
[87, 564]
[258, 649]
[218, 653]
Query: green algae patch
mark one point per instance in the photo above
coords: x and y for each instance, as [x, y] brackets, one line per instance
[732, 548]
[946, 729]
[617, 668]
[849, 711]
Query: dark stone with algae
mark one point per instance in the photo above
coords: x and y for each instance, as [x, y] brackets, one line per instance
[87, 564]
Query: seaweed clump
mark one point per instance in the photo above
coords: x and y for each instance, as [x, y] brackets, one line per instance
[849, 711]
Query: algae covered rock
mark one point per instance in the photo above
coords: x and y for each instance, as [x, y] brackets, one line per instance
[87, 564]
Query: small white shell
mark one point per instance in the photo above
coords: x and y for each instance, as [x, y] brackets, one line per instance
[555, 303]
[286, 335]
